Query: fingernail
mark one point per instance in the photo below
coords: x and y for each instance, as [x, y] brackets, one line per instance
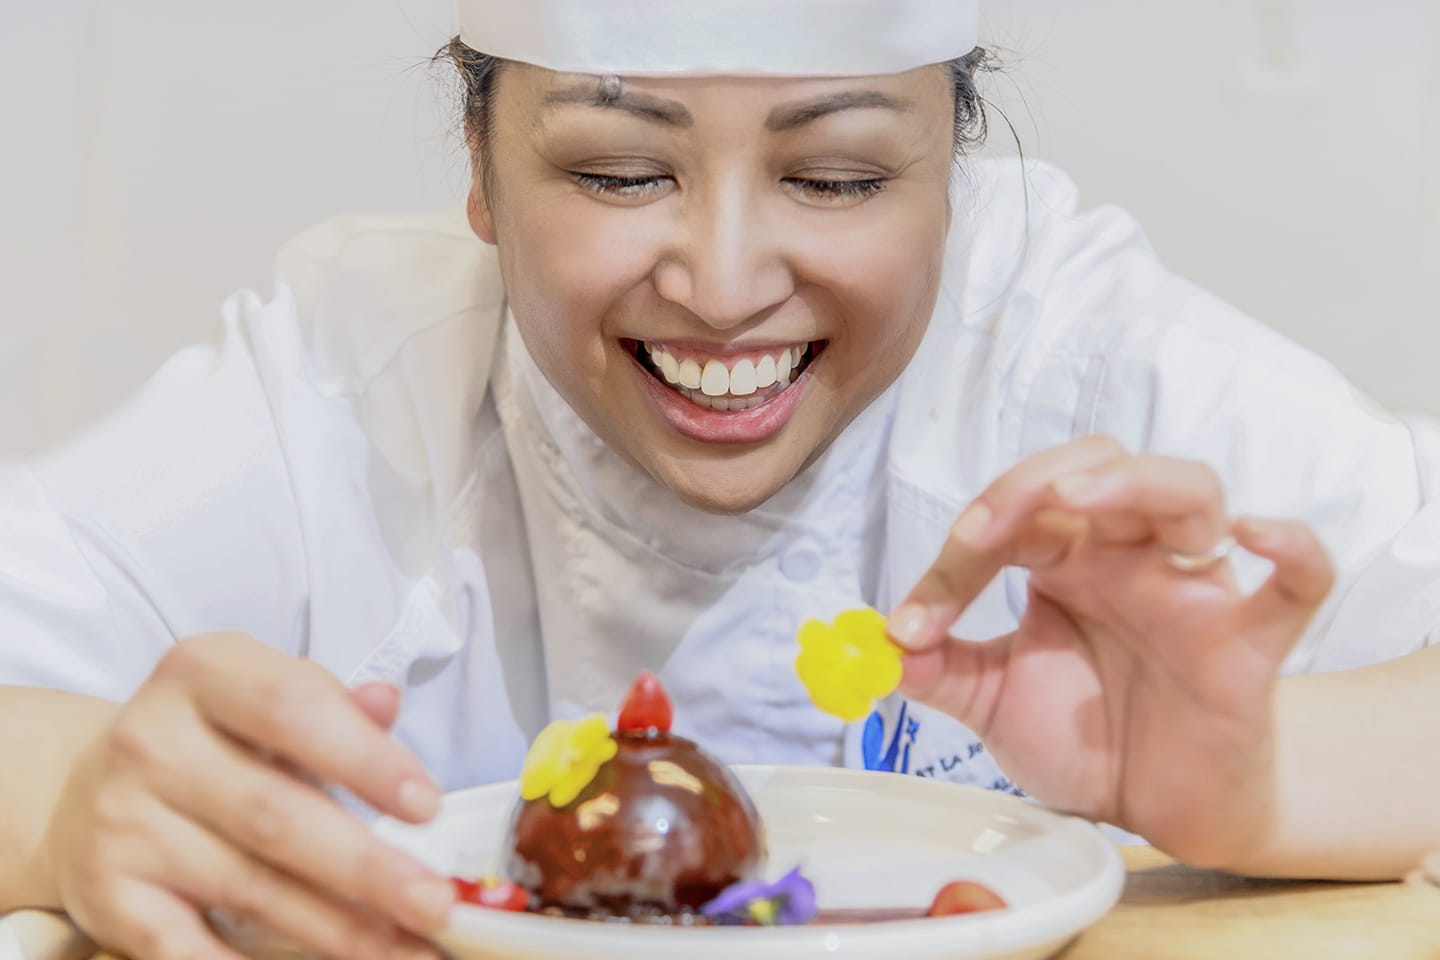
[419, 799]
[1075, 486]
[430, 901]
[972, 525]
[907, 625]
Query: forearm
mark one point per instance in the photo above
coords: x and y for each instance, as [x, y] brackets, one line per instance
[1357, 773]
[42, 734]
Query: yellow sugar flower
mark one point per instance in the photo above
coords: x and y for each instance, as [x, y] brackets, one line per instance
[565, 758]
[848, 666]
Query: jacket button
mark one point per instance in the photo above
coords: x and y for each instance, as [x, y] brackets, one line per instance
[800, 564]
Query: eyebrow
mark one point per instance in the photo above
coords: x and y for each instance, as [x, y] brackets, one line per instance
[666, 112]
[790, 117]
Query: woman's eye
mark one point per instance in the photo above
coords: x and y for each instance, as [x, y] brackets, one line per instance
[837, 191]
[620, 186]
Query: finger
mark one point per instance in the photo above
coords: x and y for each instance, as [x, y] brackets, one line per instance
[962, 572]
[1182, 502]
[300, 711]
[950, 585]
[145, 922]
[1046, 541]
[211, 872]
[1015, 496]
[379, 701]
[1303, 576]
[975, 549]
[295, 827]
[1119, 529]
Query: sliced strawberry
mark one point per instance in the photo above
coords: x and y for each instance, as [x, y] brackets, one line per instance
[965, 896]
[646, 710]
[491, 892]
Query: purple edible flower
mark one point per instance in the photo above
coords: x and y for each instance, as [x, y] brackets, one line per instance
[789, 900]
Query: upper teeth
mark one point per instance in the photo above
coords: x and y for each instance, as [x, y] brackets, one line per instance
[715, 379]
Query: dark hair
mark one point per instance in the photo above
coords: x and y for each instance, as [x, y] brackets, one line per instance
[479, 71]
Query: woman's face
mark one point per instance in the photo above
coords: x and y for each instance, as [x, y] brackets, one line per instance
[719, 274]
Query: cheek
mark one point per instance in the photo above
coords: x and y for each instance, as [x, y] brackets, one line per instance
[884, 279]
[572, 248]
[568, 263]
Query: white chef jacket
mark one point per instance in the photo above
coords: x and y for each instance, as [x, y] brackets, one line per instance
[367, 470]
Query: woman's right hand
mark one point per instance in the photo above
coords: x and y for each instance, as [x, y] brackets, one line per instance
[204, 794]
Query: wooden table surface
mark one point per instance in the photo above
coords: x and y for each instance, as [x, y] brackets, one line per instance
[1168, 912]
[1176, 912]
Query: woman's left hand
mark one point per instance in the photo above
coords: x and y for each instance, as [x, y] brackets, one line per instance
[1131, 692]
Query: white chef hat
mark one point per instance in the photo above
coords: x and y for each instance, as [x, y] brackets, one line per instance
[760, 37]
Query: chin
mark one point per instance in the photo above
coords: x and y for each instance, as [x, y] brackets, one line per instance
[723, 488]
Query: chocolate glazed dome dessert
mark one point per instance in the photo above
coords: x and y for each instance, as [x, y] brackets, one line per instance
[660, 829]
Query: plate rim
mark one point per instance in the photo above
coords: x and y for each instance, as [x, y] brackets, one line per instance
[1053, 920]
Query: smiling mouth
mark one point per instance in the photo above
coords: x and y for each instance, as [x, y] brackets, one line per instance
[730, 385]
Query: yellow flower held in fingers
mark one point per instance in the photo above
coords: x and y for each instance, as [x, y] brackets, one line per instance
[848, 666]
[565, 758]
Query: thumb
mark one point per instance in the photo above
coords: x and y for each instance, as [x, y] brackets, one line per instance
[961, 678]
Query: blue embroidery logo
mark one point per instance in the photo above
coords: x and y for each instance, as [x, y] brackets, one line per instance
[893, 757]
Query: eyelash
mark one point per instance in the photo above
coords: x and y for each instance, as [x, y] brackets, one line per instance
[622, 186]
[840, 189]
[824, 189]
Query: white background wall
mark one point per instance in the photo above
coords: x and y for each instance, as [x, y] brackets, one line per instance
[1285, 153]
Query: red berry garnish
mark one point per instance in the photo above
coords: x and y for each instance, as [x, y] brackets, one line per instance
[646, 711]
[965, 896]
[491, 892]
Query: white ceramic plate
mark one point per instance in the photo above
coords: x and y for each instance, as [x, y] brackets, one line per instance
[865, 839]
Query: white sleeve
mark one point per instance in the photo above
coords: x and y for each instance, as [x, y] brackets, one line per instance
[172, 517]
[1122, 346]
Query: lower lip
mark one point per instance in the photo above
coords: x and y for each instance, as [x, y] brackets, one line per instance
[724, 426]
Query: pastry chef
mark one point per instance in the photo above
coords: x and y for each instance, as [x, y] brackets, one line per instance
[732, 330]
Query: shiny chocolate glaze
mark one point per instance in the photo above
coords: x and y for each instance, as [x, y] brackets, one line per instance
[661, 830]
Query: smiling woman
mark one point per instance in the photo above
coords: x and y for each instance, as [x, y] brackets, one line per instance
[731, 333]
[718, 222]
[744, 193]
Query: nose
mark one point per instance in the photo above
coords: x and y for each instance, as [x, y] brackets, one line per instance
[726, 264]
